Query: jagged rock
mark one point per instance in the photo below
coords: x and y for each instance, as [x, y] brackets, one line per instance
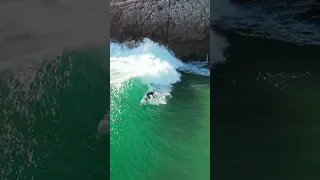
[184, 21]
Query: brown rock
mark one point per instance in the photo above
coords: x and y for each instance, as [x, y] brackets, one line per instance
[173, 22]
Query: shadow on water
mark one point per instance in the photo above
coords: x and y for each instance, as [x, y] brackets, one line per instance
[265, 116]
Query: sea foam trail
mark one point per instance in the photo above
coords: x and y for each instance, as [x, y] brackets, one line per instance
[154, 64]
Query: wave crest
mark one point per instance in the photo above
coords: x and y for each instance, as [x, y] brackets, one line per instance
[154, 64]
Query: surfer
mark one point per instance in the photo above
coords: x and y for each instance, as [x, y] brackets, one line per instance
[148, 95]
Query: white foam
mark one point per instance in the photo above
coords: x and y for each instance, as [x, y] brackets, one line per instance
[160, 97]
[196, 67]
[153, 63]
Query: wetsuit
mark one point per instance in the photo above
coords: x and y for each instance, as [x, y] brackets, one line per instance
[148, 95]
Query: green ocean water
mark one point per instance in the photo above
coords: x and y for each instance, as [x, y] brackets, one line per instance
[49, 116]
[166, 141]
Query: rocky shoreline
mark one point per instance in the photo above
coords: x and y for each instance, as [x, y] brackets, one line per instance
[182, 25]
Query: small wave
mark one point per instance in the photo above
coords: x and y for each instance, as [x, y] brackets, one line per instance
[196, 67]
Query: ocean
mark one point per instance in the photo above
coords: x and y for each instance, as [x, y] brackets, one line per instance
[50, 112]
[265, 93]
[169, 136]
[54, 90]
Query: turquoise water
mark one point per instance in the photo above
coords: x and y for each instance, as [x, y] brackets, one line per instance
[168, 137]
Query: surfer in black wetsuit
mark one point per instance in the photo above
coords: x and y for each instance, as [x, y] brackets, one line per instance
[148, 95]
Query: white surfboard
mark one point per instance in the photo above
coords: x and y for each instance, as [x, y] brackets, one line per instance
[143, 100]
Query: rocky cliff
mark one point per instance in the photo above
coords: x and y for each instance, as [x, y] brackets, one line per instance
[184, 25]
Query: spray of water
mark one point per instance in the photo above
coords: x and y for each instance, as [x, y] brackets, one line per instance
[154, 64]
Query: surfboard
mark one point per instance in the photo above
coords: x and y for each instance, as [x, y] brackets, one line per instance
[143, 100]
